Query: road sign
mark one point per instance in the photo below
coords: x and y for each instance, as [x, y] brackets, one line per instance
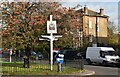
[60, 58]
[51, 26]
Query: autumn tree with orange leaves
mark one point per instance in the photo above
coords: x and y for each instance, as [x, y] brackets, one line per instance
[25, 22]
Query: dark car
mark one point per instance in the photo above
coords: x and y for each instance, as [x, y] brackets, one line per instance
[36, 55]
[69, 54]
[81, 55]
[5, 54]
[40, 56]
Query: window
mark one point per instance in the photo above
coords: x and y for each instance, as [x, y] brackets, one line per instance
[102, 54]
[90, 23]
[90, 26]
[110, 53]
[97, 19]
[98, 28]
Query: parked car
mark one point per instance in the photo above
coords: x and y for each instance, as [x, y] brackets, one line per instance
[69, 54]
[5, 54]
[40, 56]
[81, 55]
[36, 55]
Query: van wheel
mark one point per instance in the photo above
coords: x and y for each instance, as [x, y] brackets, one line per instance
[89, 61]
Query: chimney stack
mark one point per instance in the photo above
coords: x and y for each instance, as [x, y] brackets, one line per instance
[86, 10]
[101, 11]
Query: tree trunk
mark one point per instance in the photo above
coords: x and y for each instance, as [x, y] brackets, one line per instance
[26, 58]
[26, 62]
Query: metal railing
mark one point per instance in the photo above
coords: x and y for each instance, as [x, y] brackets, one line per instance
[78, 63]
[17, 65]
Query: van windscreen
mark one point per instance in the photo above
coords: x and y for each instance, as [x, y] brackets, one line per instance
[111, 53]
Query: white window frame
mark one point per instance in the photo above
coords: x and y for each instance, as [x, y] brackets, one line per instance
[90, 23]
[98, 19]
[97, 28]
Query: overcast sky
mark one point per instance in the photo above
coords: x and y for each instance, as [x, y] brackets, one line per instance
[110, 8]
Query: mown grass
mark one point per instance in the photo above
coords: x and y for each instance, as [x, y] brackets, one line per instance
[35, 69]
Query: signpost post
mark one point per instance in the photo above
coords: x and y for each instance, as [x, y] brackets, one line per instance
[10, 55]
[51, 28]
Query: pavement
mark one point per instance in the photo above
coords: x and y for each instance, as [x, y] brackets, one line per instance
[85, 73]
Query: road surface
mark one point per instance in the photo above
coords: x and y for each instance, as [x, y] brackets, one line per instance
[104, 71]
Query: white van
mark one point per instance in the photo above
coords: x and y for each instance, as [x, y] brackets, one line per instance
[102, 55]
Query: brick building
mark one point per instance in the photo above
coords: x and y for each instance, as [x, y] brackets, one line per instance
[94, 26]
[87, 26]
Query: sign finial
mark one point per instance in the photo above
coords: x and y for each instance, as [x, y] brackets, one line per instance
[51, 18]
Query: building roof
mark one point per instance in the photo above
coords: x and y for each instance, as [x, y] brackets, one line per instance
[91, 13]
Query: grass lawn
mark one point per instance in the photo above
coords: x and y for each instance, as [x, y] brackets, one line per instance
[35, 69]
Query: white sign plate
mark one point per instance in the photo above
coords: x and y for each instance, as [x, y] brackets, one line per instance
[51, 27]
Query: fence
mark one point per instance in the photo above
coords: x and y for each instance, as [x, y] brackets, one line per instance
[79, 63]
[36, 66]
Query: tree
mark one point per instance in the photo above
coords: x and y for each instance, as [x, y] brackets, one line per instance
[25, 22]
[69, 25]
[112, 36]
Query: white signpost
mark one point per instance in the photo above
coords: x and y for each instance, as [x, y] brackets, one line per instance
[51, 28]
[10, 55]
